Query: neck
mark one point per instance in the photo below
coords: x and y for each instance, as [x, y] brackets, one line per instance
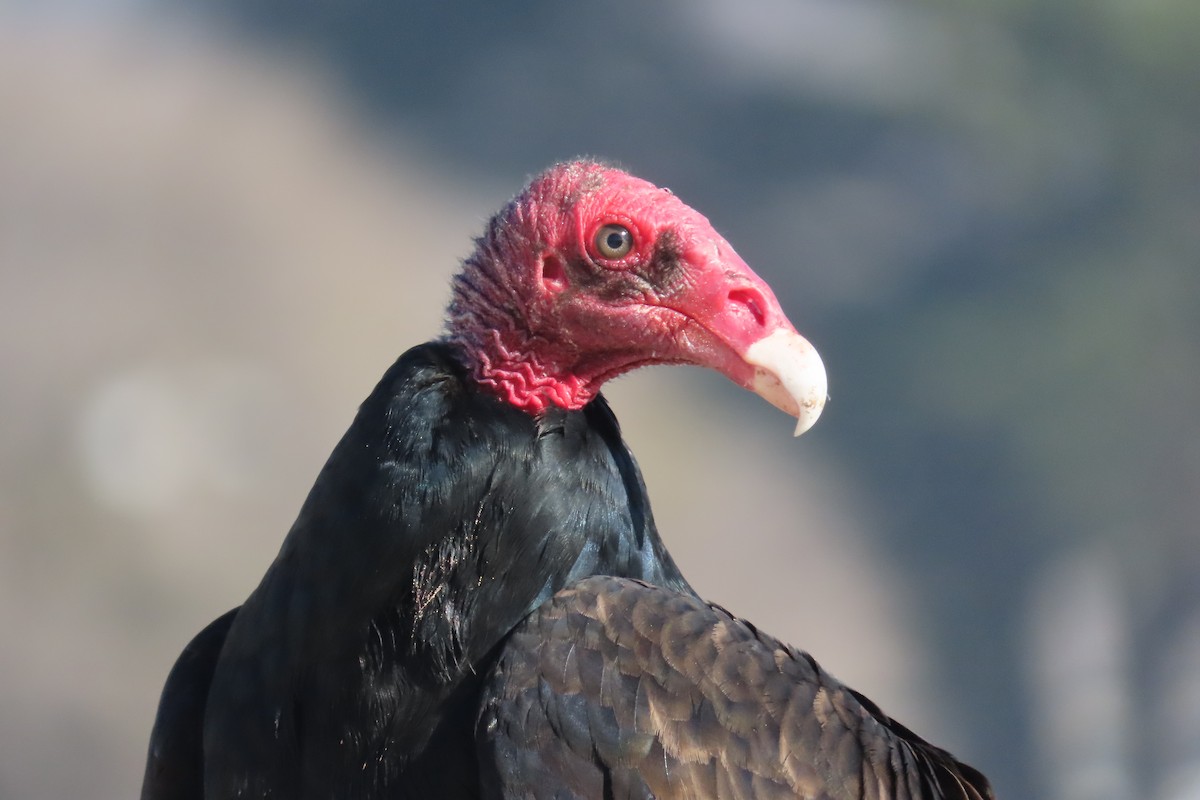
[517, 375]
[488, 321]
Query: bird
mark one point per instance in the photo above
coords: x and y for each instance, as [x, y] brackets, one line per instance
[450, 615]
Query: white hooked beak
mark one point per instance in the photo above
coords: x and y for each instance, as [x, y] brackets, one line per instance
[789, 375]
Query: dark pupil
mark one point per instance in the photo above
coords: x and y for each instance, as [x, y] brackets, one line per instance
[615, 240]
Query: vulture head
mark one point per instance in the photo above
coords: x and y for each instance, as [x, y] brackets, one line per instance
[590, 272]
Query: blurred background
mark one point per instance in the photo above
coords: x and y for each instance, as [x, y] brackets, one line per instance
[219, 225]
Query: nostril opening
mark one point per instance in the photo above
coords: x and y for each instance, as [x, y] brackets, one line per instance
[554, 277]
[750, 301]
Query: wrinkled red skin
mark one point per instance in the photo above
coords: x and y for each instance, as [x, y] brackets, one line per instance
[545, 319]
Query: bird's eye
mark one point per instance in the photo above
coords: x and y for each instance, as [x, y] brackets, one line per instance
[614, 241]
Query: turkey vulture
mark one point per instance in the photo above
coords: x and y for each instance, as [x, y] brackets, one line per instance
[433, 626]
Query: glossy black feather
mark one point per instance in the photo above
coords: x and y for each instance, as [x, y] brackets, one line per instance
[619, 689]
[175, 763]
[442, 518]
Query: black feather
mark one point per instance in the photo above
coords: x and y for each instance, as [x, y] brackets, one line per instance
[442, 518]
[175, 763]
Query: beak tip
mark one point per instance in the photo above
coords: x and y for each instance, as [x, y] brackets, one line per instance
[810, 412]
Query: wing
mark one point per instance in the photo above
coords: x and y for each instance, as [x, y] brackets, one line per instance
[175, 763]
[619, 689]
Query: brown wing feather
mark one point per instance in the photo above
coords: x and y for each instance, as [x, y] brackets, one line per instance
[619, 689]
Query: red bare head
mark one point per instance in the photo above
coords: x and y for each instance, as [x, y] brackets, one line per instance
[590, 272]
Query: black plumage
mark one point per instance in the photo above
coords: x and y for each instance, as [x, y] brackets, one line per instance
[175, 764]
[353, 669]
